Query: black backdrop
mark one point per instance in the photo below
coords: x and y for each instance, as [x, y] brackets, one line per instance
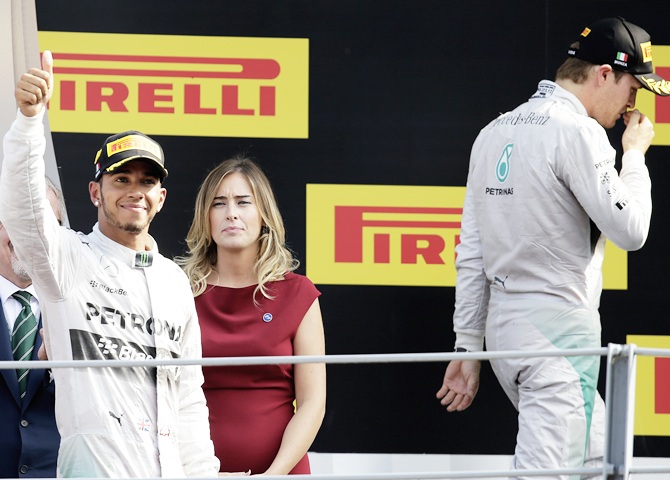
[398, 91]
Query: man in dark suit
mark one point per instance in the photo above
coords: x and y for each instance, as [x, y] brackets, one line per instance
[29, 438]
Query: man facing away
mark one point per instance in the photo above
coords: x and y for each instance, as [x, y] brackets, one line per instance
[28, 435]
[541, 188]
[109, 295]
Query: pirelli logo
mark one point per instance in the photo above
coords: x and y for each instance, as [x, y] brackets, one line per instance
[656, 107]
[652, 389]
[396, 235]
[382, 235]
[179, 85]
[351, 221]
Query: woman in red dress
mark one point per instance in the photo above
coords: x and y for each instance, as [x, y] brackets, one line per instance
[263, 418]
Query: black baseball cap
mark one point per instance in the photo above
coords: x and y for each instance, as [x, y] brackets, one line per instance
[622, 45]
[126, 146]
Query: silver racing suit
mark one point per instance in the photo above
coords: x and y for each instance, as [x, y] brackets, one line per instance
[103, 301]
[541, 188]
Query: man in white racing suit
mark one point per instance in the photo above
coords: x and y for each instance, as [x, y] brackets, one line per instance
[109, 295]
[541, 188]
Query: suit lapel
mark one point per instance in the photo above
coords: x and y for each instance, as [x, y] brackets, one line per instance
[8, 375]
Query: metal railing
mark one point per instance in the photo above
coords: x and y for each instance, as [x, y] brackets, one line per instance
[619, 401]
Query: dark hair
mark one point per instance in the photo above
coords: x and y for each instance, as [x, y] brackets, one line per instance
[577, 70]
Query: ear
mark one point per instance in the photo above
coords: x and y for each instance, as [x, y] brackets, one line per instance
[94, 192]
[161, 201]
[603, 72]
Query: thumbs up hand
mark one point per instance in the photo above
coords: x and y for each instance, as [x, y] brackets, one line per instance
[35, 87]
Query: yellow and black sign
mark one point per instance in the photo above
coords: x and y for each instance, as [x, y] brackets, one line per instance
[652, 389]
[179, 85]
[397, 235]
[656, 107]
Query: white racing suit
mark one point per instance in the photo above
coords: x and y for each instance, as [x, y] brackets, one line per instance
[101, 300]
[541, 187]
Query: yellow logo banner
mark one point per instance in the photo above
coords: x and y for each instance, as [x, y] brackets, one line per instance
[656, 107]
[179, 85]
[652, 389]
[396, 235]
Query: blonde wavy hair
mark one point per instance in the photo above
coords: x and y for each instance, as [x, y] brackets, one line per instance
[274, 258]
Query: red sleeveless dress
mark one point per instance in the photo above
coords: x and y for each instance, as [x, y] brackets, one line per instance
[250, 405]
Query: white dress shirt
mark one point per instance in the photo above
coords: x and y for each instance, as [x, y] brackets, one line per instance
[11, 306]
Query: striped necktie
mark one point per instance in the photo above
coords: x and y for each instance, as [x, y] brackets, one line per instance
[23, 337]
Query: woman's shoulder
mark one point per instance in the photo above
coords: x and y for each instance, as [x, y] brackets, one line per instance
[297, 278]
[295, 281]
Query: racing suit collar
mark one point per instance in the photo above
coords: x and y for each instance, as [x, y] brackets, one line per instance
[548, 89]
[120, 253]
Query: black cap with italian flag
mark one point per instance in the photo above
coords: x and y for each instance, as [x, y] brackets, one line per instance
[622, 45]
